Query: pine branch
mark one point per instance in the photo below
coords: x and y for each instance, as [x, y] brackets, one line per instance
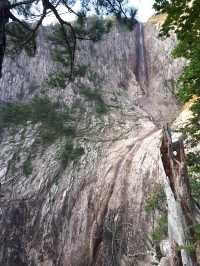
[22, 3]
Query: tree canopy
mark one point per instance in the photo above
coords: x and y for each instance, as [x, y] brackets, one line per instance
[22, 12]
[183, 18]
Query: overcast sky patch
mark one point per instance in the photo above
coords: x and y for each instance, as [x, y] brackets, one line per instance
[145, 10]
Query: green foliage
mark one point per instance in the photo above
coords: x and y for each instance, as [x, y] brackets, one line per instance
[93, 76]
[14, 114]
[195, 188]
[94, 27]
[156, 200]
[27, 167]
[23, 34]
[101, 108]
[80, 71]
[197, 232]
[57, 79]
[56, 36]
[184, 95]
[17, 39]
[98, 27]
[61, 54]
[43, 110]
[127, 23]
[12, 165]
[189, 81]
[54, 123]
[183, 18]
[189, 248]
[161, 230]
[193, 161]
[94, 95]
[69, 152]
[193, 242]
[191, 129]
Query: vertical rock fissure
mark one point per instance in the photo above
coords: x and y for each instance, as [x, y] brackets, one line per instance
[141, 70]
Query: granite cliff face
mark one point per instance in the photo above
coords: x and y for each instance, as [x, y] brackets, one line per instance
[90, 211]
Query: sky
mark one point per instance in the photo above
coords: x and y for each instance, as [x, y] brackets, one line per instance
[144, 7]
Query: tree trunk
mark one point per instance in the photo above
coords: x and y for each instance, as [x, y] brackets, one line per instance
[180, 205]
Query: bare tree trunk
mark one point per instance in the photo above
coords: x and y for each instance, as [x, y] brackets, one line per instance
[180, 205]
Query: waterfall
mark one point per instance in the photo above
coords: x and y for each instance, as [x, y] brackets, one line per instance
[141, 71]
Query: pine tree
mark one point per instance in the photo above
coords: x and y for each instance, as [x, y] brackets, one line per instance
[23, 34]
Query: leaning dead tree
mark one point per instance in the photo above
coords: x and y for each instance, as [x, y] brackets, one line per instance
[181, 223]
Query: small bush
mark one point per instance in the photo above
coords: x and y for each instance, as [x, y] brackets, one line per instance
[12, 165]
[156, 200]
[189, 248]
[193, 242]
[57, 79]
[93, 76]
[161, 230]
[54, 123]
[97, 29]
[15, 114]
[197, 231]
[68, 152]
[80, 70]
[195, 188]
[101, 108]
[193, 161]
[184, 95]
[47, 135]
[27, 167]
[94, 95]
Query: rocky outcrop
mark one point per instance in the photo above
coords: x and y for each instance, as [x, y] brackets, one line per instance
[89, 211]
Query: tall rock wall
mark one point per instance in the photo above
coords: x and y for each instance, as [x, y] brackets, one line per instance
[90, 211]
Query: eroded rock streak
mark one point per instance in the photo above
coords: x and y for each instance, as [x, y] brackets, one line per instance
[90, 212]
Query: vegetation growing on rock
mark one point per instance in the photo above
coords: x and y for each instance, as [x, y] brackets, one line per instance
[94, 95]
[40, 110]
[156, 200]
[183, 19]
[156, 205]
[68, 151]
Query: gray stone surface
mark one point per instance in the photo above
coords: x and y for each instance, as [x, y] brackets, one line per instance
[92, 211]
